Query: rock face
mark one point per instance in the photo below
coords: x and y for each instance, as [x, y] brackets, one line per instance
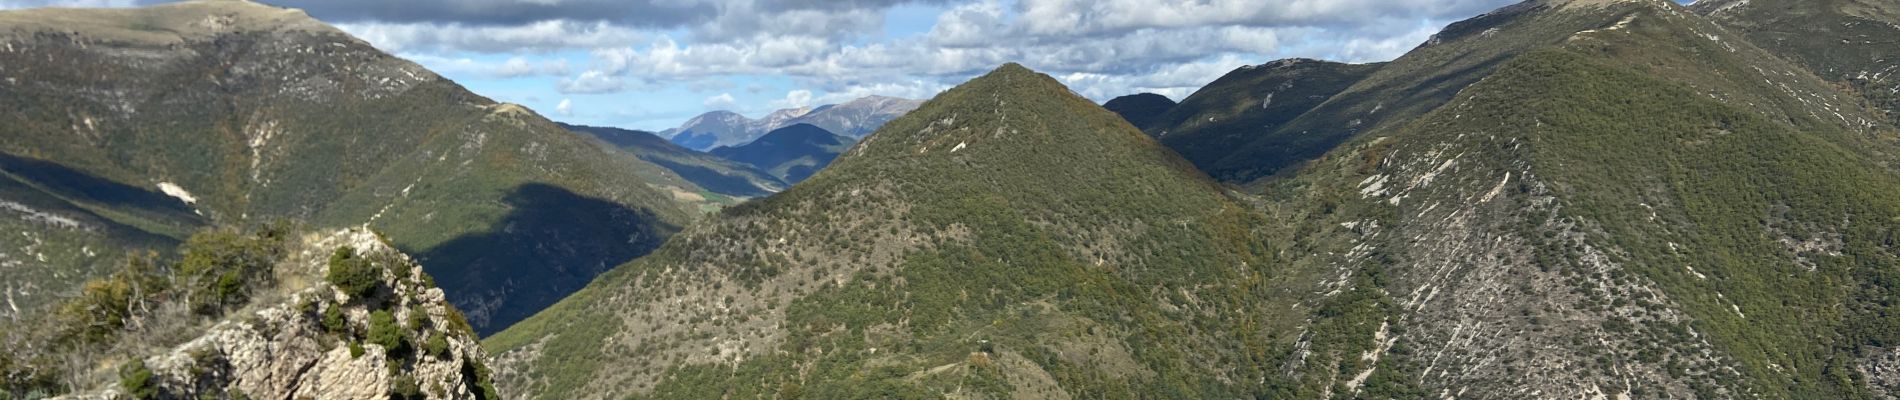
[289, 351]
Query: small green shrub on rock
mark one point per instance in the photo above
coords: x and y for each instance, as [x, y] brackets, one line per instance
[353, 275]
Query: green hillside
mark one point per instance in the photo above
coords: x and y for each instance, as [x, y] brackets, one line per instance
[1855, 43]
[793, 153]
[1248, 104]
[1649, 208]
[251, 113]
[1009, 237]
[1415, 83]
[1141, 109]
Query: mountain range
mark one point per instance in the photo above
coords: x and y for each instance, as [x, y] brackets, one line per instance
[1624, 199]
[963, 245]
[1604, 199]
[129, 129]
[853, 119]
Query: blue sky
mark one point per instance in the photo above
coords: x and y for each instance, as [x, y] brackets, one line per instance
[652, 64]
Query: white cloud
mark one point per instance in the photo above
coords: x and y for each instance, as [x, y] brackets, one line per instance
[723, 101]
[837, 50]
[537, 37]
[514, 67]
[591, 82]
[565, 109]
[16, 4]
[794, 99]
[1090, 17]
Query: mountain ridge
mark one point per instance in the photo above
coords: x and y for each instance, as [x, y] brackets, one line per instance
[793, 153]
[960, 196]
[714, 174]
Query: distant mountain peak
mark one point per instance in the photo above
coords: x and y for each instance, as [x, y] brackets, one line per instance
[1140, 109]
[1011, 106]
[853, 119]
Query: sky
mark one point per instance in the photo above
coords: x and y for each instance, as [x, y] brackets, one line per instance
[652, 64]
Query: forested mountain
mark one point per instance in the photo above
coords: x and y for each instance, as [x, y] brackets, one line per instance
[128, 129]
[1008, 236]
[1603, 199]
[1140, 109]
[1558, 199]
[792, 153]
[1249, 104]
[1642, 205]
[1855, 43]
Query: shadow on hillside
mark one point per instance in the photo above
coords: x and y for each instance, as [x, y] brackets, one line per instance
[551, 245]
[79, 186]
[1268, 155]
[713, 180]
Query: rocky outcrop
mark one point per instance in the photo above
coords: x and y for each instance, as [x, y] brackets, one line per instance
[1882, 369]
[401, 340]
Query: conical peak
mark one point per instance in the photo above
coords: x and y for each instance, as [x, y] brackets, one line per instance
[1017, 72]
[1016, 81]
[1014, 68]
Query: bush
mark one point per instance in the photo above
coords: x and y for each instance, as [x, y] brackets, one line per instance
[353, 275]
[438, 346]
[405, 388]
[137, 380]
[334, 321]
[384, 331]
[223, 268]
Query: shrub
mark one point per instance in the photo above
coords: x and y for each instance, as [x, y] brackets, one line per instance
[384, 331]
[137, 380]
[438, 346]
[353, 275]
[334, 321]
[223, 268]
[405, 388]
